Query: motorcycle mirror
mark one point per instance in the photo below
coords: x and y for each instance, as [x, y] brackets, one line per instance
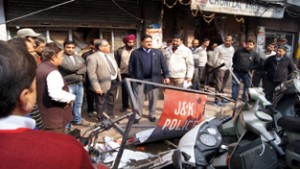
[258, 94]
[176, 158]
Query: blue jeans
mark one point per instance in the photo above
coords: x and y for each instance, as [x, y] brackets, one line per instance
[77, 90]
[235, 86]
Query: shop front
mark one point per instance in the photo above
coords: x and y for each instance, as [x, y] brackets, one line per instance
[81, 21]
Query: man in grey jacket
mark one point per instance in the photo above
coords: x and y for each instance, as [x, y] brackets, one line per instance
[73, 70]
[103, 72]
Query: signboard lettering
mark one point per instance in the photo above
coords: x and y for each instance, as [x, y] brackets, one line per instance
[237, 8]
[182, 110]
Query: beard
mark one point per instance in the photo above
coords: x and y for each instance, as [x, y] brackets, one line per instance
[129, 47]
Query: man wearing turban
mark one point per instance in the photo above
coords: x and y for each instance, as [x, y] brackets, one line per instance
[122, 56]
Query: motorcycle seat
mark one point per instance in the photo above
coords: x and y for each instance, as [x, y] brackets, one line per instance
[290, 123]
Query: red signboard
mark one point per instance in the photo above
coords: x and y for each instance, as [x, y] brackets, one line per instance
[182, 110]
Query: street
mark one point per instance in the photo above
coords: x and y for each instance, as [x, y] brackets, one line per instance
[209, 111]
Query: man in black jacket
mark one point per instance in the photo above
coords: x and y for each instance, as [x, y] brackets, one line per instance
[122, 57]
[278, 67]
[244, 60]
[150, 65]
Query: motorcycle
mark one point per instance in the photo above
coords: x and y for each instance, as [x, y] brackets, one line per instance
[286, 98]
[256, 144]
[285, 111]
[268, 135]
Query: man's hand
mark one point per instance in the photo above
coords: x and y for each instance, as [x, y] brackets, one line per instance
[166, 81]
[69, 104]
[99, 91]
[188, 80]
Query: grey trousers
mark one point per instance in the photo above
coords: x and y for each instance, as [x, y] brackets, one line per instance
[140, 91]
[222, 77]
[106, 102]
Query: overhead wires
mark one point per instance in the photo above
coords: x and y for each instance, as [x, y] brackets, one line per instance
[36, 12]
[128, 13]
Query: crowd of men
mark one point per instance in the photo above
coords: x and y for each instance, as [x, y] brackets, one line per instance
[21, 83]
[98, 72]
[60, 77]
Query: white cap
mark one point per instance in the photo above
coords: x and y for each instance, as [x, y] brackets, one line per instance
[23, 33]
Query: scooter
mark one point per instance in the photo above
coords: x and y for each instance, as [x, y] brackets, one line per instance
[258, 146]
[285, 124]
[257, 142]
[285, 111]
[286, 98]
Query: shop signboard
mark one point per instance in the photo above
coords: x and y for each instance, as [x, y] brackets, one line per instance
[237, 8]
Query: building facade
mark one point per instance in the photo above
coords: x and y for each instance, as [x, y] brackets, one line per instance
[87, 19]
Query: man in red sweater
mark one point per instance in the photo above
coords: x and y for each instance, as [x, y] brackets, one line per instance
[20, 146]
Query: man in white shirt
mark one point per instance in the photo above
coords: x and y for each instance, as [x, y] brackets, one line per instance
[202, 59]
[180, 62]
[222, 54]
[194, 49]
